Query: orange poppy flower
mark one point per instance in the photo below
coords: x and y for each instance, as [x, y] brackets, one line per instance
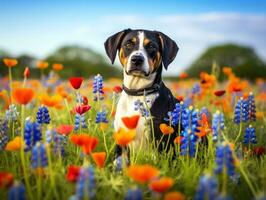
[42, 64]
[58, 67]
[131, 122]
[178, 139]
[23, 95]
[50, 101]
[10, 62]
[6, 179]
[174, 196]
[162, 184]
[183, 75]
[227, 71]
[87, 142]
[99, 158]
[166, 130]
[204, 126]
[123, 138]
[142, 173]
[64, 129]
[26, 72]
[14, 145]
[219, 93]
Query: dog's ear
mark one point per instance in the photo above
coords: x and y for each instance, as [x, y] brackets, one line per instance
[113, 43]
[169, 49]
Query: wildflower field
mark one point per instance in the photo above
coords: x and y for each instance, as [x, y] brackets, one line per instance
[57, 139]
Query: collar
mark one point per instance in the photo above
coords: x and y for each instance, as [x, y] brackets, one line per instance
[140, 92]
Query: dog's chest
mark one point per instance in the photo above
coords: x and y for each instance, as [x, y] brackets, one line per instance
[135, 105]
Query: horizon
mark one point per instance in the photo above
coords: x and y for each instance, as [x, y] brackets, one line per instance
[40, 28]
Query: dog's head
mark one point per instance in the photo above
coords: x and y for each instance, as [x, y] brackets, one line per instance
[141, 52]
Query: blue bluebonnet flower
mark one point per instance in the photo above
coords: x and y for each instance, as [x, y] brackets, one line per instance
[250, 136]
[79, 98]
[241, 111]
[251, 107]
[32, 134]
[195, 88]
[190, 118]
[80, 120]
[3, 133]
[139, 106]
[176, 114]
[101, 117]
[207, 188]
[17, 192]
[12, 113]
[134, 194]
[188, 102]
[86, 183]
[188, 143]
[98, 87]
[119, 162]
[224, 159]
[49, 135]
[59, 144]
[43, 116]
[39, 156]
[217, 124]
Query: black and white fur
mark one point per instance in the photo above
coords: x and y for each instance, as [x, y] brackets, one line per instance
[143, 55]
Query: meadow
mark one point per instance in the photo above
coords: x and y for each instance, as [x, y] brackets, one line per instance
[57, 139]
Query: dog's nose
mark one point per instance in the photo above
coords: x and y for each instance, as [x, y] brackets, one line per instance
[137, 60]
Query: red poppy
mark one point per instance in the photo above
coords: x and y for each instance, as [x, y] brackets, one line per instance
[85, 100]
[87, 142]
[131, 122]
[183, 75]
[26, 72]
[99, 158]
[219, 93]
[180, 98]
[6, 179]
[76, 82]
[72, 173]
[64, 129]
[117, 89]
[259, 151]
[23, 95]
[81, 109]
[162, 184]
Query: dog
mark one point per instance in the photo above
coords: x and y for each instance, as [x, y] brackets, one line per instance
[143, 55]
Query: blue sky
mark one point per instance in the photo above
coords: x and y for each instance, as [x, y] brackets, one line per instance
[40, 27]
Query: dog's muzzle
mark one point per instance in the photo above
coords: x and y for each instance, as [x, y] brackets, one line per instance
[136, 65]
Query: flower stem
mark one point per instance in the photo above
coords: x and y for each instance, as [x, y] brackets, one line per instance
[10, 84]
[22, 154]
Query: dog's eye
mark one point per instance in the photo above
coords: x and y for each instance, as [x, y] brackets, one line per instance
[150, 46]
[129, 45]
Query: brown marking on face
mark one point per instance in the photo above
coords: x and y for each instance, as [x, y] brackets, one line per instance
[155, 63]
[123, 59]
[146, 41]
